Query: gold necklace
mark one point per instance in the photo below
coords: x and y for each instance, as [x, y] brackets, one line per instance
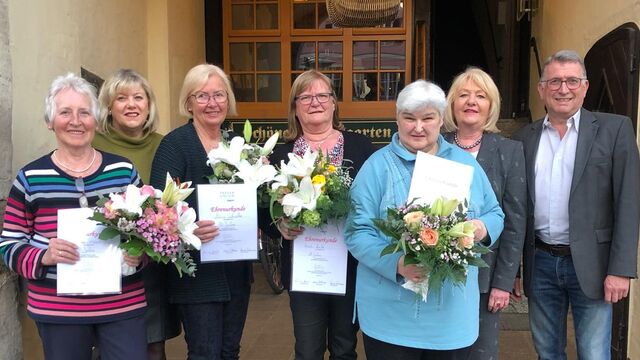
[66, 167]
[319, 142]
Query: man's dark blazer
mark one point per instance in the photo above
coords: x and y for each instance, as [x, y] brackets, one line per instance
[502, 160]
[604, 200]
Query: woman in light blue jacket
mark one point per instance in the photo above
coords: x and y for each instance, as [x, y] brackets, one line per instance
[395, 322]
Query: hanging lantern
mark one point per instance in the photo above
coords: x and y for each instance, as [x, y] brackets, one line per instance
[362, 13]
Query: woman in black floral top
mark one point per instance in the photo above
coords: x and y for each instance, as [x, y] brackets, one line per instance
[320, 321]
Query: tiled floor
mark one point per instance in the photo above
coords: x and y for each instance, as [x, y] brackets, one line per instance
[268, 333]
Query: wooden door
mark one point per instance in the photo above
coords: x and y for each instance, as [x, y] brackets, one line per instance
[612, 70]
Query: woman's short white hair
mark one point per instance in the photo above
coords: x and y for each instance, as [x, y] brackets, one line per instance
[421, 94]
[75, 83]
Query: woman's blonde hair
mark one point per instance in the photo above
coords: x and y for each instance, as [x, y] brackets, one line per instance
[302, 82]
[196, 78]
[122, 80]
[486, 84]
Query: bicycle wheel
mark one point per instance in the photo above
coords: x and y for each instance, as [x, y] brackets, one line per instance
[270, 260]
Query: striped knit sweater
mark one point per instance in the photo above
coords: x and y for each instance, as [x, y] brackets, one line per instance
[30, 220]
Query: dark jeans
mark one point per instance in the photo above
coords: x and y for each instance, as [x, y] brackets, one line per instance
[213, 331]
[321, 322]
[554, 287]
[379, 350]
[124, 339]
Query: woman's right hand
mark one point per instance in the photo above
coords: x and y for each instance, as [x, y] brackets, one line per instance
[206, 231]
[60, 252]
[288, 233]
[411, 272]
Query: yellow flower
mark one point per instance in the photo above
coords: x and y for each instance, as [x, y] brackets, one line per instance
[319, 180]
[331, 168]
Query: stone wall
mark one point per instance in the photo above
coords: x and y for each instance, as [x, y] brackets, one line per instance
[10, 330]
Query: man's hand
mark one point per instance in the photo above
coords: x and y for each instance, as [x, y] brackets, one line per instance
[616, 288]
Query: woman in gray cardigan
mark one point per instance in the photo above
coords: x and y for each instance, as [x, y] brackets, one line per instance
[473, 107]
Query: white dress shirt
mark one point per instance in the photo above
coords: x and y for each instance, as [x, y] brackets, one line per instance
[554, 171]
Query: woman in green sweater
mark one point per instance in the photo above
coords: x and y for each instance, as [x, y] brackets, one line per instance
[128, 120]
[126, 127]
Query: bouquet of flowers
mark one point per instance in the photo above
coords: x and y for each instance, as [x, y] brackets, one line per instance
[159, 224]
[309, 190]
[237, 161]
[437, 237]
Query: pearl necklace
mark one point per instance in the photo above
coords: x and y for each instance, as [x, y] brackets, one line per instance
[467, 147]
[64, 166]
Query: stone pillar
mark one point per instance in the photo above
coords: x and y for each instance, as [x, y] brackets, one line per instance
[10, 329]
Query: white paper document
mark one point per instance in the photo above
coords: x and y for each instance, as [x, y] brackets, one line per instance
[435, 177]
[234, 209]
[98, 271]
[319, 263]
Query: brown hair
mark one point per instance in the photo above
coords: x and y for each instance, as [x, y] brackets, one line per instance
[302, 82]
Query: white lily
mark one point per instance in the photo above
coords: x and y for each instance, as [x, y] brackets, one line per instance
[270, 144]
[279, 181]
[229, 153]
[299, 165]
[258, 173]
[131, 201]
[304, 197]
[173, 192]
[187, 224]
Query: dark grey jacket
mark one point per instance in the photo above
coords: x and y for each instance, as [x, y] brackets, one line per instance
[604, 202]
[502, 160]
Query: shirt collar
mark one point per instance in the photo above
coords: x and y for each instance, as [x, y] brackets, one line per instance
[573, 121]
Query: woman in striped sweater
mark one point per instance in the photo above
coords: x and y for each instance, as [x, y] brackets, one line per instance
[74, 175]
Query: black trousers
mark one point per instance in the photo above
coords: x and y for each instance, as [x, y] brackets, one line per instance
[379, 350]
[124, 339]
[322, 322]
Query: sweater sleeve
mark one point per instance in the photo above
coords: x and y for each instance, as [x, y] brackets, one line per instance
[363, 239]
[15, 242]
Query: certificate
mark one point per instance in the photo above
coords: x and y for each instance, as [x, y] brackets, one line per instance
[234, 209]
[435, 177]
[99, 269]
[319, 263]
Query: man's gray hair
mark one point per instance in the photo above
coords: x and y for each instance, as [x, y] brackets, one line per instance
[75, 83]
[419, 95]
[564, 56]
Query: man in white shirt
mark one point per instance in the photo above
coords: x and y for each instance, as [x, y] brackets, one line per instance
[583, 175]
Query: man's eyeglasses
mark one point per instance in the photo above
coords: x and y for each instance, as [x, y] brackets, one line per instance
[556, 83]
[308, 99]
[203, 98]
[83, 198]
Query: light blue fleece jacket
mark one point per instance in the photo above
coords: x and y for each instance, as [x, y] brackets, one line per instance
[386, 311]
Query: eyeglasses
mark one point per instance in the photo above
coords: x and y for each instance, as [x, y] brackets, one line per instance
[556, 83]
[84, 202]
[203, 98]
[308, 99]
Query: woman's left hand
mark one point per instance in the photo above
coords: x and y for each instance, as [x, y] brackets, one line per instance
[206, 231]
[481, 231]
[132, 261]
[498, 299]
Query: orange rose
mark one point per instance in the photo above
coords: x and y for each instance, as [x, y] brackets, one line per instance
[429, 236]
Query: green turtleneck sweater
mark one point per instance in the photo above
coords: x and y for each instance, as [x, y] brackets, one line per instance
[139, 151]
